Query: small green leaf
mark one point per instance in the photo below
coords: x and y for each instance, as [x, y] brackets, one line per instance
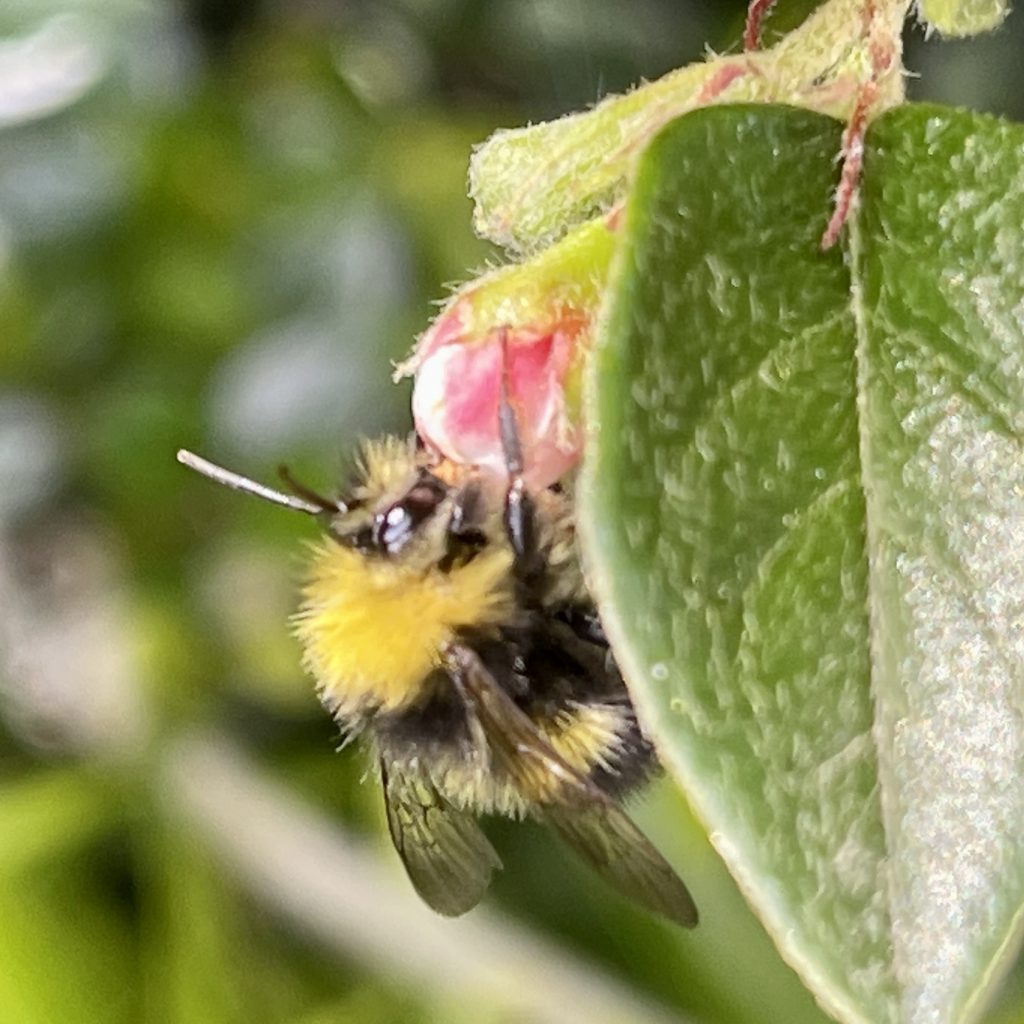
[530, 185]
[963, 17]
[802, 507]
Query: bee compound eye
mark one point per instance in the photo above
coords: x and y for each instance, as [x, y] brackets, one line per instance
[363, 539]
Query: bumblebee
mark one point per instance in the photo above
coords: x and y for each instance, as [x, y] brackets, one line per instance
[450, 628]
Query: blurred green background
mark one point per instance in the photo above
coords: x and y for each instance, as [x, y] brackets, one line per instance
[220, 221]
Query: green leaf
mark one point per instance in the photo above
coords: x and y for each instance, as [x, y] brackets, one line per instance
[803, 511]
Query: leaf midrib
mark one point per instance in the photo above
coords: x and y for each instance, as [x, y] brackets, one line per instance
[871, 538]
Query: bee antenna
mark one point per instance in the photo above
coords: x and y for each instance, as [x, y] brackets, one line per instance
[299, 488]
[241, 483]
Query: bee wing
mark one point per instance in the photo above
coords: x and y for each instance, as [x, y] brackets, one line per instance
[448, 859]
[608, 840]
[586, 818]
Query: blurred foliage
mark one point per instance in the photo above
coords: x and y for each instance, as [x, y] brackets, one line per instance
[219, 223]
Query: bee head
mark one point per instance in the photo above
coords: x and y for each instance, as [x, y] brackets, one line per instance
[394, 505]
[389, 525]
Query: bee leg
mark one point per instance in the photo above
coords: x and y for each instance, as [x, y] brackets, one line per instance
[465, 530]
[520, 512]
[468, 514]
[520, 515]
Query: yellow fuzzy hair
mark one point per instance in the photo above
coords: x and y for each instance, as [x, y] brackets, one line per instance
[385, 463]
[372, 630]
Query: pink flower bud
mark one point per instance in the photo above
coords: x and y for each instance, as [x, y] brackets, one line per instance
[527, 325]
[458, 390]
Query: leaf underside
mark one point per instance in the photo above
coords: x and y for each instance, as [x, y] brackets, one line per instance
[803, 511]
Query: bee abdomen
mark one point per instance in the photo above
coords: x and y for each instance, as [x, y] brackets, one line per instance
[601, 741]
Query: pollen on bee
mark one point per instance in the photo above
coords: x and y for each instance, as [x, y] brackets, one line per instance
[585, 734]
[373, 630]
